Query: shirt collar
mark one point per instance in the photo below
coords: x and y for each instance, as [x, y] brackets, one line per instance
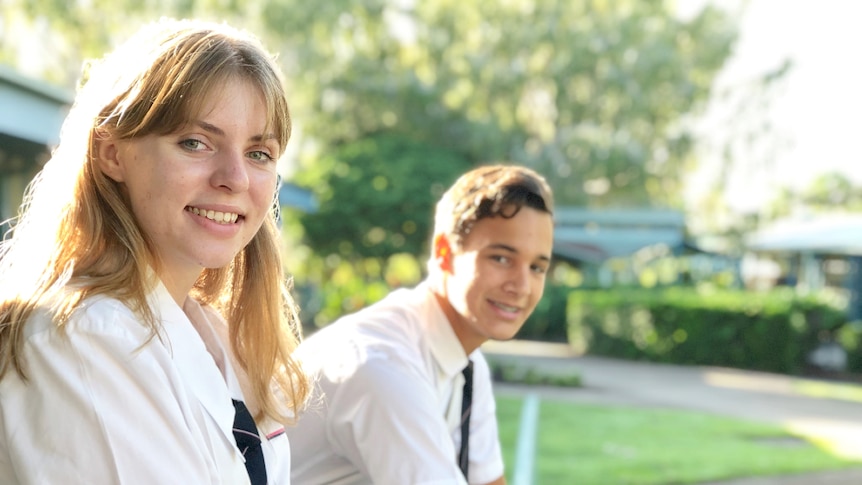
[444, 344]
[190, 355]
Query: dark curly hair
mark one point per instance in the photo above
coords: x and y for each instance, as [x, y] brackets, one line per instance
[489, 191]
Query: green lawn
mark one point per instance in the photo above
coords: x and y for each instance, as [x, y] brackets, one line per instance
[593, 445]
[831, 390]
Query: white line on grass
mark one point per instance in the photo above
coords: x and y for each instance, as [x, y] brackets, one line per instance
[525, 451]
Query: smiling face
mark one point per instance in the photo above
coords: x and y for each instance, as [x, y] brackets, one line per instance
[202, 192]
[492, 283]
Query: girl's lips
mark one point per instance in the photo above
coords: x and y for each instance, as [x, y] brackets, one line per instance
[217, 216]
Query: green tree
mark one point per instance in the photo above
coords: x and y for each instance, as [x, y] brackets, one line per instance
[833, 191]
[827, 192]
[377, 196]
[65, 33]
[595, 94]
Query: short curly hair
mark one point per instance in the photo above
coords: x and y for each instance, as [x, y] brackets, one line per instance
[489, 191]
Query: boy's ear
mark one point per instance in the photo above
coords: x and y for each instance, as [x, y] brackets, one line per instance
[443, 253]
[108, 157]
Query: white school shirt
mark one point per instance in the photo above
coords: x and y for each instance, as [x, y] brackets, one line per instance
[105, 404]
[387, 378]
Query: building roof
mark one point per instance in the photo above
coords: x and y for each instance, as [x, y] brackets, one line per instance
[290, 195]
[33, 110]
[594, 235]
[819, 234]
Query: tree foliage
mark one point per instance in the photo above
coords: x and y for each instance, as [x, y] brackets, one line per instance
[594, 94]
[828, 192]
[405, 93]
[379, 196]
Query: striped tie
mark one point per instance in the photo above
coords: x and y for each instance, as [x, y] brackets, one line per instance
[466, 405]
[248, 442]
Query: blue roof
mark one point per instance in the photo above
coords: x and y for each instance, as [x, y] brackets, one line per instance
[32, 110]
[595, 235]
[290, 195]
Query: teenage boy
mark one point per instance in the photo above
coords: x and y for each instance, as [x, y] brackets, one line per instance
[403, 391]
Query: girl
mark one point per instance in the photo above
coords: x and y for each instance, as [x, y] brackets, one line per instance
[146, 330]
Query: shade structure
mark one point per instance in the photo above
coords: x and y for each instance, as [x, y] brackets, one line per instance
[839, 234]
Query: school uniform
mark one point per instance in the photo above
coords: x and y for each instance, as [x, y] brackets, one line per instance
[386, 404]
[106, 403]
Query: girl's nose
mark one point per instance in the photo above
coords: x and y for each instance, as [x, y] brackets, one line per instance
[231, 171]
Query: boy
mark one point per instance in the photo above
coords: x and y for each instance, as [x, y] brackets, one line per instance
[404, 393]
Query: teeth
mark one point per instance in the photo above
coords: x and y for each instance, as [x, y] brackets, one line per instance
[220, 217]
[506, 307]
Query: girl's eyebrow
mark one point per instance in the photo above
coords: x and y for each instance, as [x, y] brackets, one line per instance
[210, 127]
[218, 131]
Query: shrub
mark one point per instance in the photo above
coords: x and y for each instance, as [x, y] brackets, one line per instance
[547, 323]
[772, 331]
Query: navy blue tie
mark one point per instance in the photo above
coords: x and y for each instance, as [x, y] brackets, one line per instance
[248, 442]
[466, 405]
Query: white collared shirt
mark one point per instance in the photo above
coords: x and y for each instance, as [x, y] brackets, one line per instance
[105, 403]
[386, 405]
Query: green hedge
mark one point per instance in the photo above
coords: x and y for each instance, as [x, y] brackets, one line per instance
[547, 323]
[772, 331]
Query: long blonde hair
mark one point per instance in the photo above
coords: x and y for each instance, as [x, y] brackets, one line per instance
[76, 236]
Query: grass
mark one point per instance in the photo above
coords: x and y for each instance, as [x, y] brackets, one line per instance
[593, 445]
[520, 374]
[830, 390]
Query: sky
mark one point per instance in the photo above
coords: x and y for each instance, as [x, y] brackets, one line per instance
[815, 110]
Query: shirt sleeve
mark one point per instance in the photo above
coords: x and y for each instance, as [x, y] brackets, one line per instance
[100, 406]
[486, 458]
[383, 418]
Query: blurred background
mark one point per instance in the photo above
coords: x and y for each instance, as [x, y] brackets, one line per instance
[702, 153]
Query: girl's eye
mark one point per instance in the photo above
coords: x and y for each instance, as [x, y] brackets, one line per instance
[260, 156]
[500, 259]
[192, 144]
[539, 269]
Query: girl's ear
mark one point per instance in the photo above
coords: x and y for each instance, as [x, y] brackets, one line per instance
[108, 157]
[443, 253]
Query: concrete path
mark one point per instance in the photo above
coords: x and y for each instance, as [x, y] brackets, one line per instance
[759, 396]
